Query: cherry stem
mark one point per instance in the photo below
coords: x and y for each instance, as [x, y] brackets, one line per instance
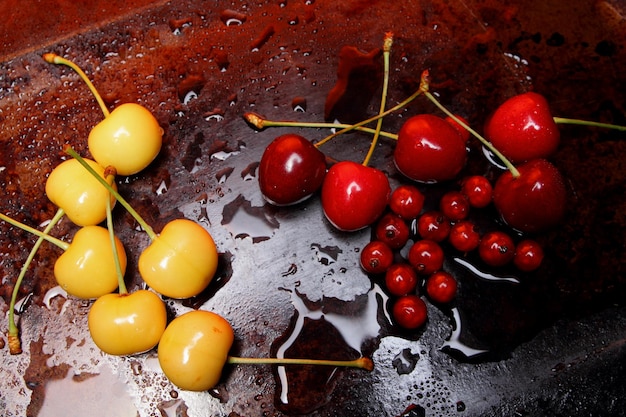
[58, 242]
[514, 171]
[383, 102]
[15, 346]
[53, 58]
[144, 225]
[116, 256]
[579, 122]
[361, 363]
[260, 123]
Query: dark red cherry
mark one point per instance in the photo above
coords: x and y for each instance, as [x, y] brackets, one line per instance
[496, 248]
[523, 128]
[400, 279]
[376, 257]
[429, 149]
[464, 236]
[291, 170]
[407, 201]
[410, 312]
[478, 190]
[433, 225]
[354, 195]
[528, 255]
[441, 287]
[534, 201]
[454, 205]
[426, 256]
[392, 230]
[463, 132]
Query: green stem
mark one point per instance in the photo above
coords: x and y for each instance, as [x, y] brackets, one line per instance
[579, 122]
[55, 59]
[383, 102]
[144, 225]
[362, 363]
[116, 256]
[261, 123]
[514, 171]
[15, 346]
[58, 242]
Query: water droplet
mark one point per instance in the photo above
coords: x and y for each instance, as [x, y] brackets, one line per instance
[262, 38]
[298, 104]
[405, 361]
[326, 255]
[215, 114]
[232, 17]
[242, 220]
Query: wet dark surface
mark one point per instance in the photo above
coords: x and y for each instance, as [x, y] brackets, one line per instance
[546, 343]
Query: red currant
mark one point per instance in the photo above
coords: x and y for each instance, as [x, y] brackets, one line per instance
[478, 191]
[496, 248]
[426, 256]
[376, 257]
[464, 236]
[406, 201]
[441, 287]
[454, 205]
[528, 255]
[433, 225]
[392, 230]
[410, 311]
[401, 279]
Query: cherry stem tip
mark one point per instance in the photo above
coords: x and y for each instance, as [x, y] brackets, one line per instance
[361, 363]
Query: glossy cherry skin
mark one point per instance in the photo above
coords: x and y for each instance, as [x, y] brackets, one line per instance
[410, 312]
[533, 202]
[291, 170]
[426, 256]
[441, 287]
[523, 128]
[407, 201]
[463, 132]
[429, 149]
[433, 225]
[528, 255]
[376, 257]
[464, 236]
[354, 196]
[454, 205]
[392, 230]
[478, 190]
[400, 279]
[496, 248]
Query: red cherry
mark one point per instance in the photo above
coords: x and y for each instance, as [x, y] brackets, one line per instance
[410, 312]
[454, 205]
[291, 170]
[464, 236]
[354, 195]
[433, 225]
[400, 279]
[523, 128]
[392, 230]
[535, 200]
[478, 190]
[528, 255]
[463, 132]
[496, 248]
[376, 257]
[407, 201]
[426, 256]
[441, 287]
[429, 149]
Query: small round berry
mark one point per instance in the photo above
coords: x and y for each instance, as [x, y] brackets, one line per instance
[433, 225]
[528, 255]
[496, 248]
[400, 279]
[478, 190]
[426, 256]
[407, 201]
[410, 312]
[441, 287]
[392, 230]
[464, 236]
[376, 257]
[454, 205]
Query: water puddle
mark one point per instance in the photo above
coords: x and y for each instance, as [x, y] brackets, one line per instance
[243, 220]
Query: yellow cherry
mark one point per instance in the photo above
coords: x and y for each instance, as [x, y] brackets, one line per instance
[87, 268]
[79, 194]
[181, 261]
[194, 349]
[128, 139]
[127, 324]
